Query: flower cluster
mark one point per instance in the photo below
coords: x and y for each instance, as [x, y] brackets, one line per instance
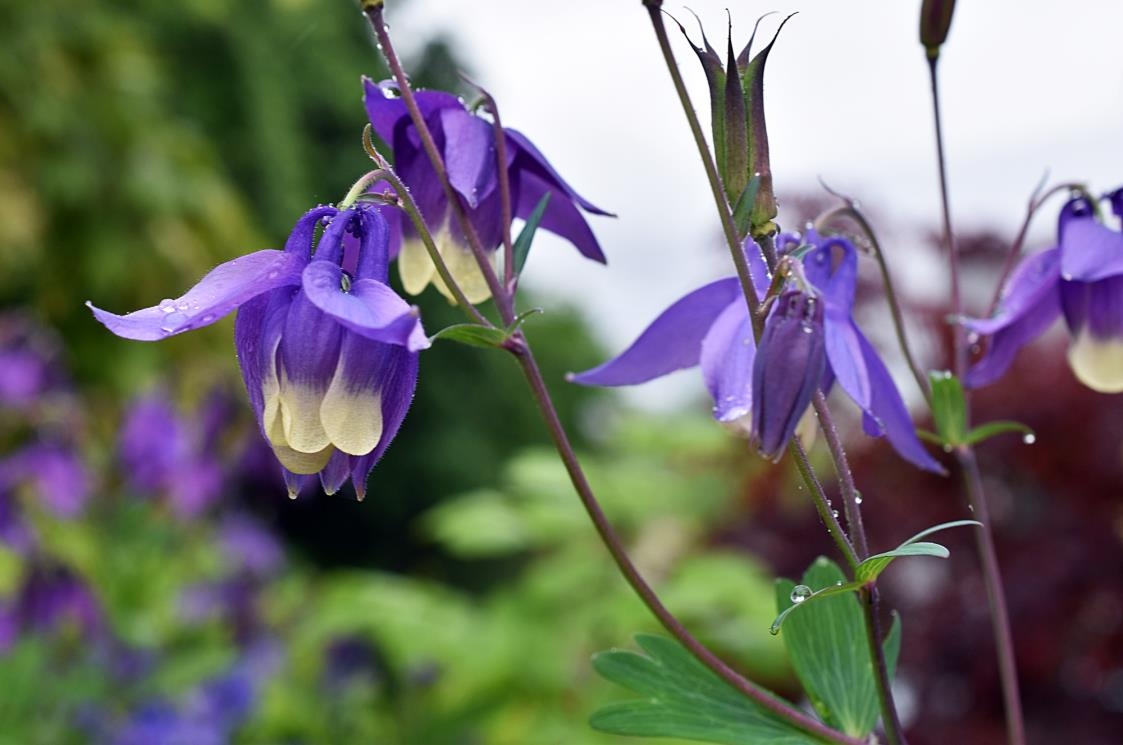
[1082, 278]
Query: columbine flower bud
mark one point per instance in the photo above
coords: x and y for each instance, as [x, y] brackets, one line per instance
[740, 138]
[788, 369]
[935, 20]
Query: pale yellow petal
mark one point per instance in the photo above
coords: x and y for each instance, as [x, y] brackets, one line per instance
[1097, 363]
[300, 416]
[807, 428]
[303, 463]
[351, 418]
[465, 271]
[414, 266]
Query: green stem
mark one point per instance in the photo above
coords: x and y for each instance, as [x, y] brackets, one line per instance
[822, 504]
[889, 719]
[992, 578]
[849, 493]
[616, 549]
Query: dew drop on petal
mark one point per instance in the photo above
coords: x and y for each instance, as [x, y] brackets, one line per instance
[173, 321]
[183, 305]
[800, 593]
[167, 305]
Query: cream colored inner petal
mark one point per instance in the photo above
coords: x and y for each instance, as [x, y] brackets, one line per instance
[300, 416]
[807, 428]
[352, 418]
[303, 463]
[465, 271]
[270, 392]
[740, 425]
[1097, 363]
[414, 266]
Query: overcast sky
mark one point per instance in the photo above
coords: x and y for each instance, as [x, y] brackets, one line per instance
[1027, 85]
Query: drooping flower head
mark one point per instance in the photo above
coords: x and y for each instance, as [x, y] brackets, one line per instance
[328, 351]
[1081, 278]
[467, 145]
[711, 327]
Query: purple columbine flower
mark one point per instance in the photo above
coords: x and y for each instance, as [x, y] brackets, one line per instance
[328, 351]
[467, 145]
[1081, 277]
[711, 327]
[787, 370]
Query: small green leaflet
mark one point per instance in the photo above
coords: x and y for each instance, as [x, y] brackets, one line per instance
[683, 698]
[743, 210]
[521, 247]
[487, 337]
[949, 411]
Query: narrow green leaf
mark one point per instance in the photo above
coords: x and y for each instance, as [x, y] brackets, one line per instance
[869, 569]
[743, 211]
[826, 592]
[683, 698]
[942, 526]
[930, 437]
[827, 645]
[521, 318]
[891, 646]
[473, 335]
[1001, 427]
[521, 249]
[949, 408]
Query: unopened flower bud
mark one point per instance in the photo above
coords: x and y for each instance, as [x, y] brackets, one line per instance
[935, 20]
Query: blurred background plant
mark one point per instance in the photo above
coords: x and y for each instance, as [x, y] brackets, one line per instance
[155, 586]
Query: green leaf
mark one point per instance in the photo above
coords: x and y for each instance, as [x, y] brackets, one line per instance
[683, 698]
[827, 644]
[869, 569]
[521, 318]
[826, 592]
[872, 567]
[473, 335]
[891, 645]
[1001, 427]
[521, 249]
[949, 408]
[743, 211]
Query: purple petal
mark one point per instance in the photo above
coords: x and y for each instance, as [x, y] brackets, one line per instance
[300, 239]
[672, 342]
[847, 362]
[469, 154]
[369, 308]
[727, 356]
[257, 333]
[222, 290]
[561, 216]
[1090, 250]
[762, 278]
[336, 472]
[1095, 306]
[374, 250]
[832, 268]
[529, 159]
[1116, 199]
[888, 413]
[388, 112]
[1030, 304]
[308, 354]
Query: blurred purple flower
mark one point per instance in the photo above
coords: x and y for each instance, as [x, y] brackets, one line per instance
[163, 453]
[348, 659]
[53, 598]
[14, 532]
[467, 145]
[27, 357]
[787, 370]
[249, 545]
[711, 327]
[328, 351]
[1081, 277]
[55, 474]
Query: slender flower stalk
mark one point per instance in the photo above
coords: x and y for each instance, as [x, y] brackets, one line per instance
[891, 722]
[988, 556]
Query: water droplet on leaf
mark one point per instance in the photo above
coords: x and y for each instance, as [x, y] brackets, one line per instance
[800, 593]
[1029, 438]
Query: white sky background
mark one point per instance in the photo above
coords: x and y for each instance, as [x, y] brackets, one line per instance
[1026, 85]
